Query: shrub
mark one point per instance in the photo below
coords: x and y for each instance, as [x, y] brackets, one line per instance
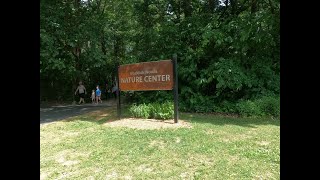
[225, 107]
[249, 108]
[270, 105]
[153, 110]
[163, 111]
[196, 103]
[266, 105]
[141, 110]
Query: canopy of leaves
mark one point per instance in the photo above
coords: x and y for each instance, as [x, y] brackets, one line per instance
[227, 49]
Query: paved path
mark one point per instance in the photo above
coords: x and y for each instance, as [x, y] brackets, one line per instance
[54, 113]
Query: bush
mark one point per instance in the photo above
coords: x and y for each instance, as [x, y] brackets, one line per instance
[142, 110]
[226, 107]
[270, 105]
[249, 108]
[266, 105]
[196, 103]
[162, 111]
[153, 110]
[147, 97]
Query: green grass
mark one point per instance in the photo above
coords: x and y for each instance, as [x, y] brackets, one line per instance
[216, 147]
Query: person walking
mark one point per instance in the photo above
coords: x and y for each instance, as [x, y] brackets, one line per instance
[82, 91]
[98, 95]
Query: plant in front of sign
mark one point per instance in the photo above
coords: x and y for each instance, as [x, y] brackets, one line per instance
[141, 111]
[153, 110]
[162, 111]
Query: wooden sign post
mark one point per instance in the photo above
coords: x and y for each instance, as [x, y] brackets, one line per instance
[175, 88]
[146, 76]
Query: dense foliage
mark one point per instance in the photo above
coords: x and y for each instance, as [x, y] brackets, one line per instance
[228, 51]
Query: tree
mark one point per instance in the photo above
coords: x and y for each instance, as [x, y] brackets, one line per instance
[227, 50]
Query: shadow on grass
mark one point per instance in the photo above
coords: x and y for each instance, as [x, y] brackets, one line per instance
[110, 115]
[101, 116]
[229, 120]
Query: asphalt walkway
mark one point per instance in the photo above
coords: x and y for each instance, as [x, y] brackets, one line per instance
[59, 112]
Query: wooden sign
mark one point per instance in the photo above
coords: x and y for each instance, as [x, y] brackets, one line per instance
[156, 75]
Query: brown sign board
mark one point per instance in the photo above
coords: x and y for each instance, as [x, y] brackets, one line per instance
[155, 75]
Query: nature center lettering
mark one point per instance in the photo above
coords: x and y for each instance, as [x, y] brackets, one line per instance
[156, 75]
[137, 79]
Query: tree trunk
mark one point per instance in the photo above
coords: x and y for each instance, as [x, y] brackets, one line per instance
[271, 7]
[253, 6]
[103, 46]
[187, 9]
[233, 4]
[212, 5]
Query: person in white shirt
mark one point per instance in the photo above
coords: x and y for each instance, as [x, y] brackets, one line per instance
[82, 91]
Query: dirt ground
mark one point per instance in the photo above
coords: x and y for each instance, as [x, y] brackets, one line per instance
[148, 123]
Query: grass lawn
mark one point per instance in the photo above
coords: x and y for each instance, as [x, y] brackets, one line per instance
[214, 147]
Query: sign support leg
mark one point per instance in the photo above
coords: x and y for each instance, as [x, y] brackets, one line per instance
[118, 96]
[175, 88]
